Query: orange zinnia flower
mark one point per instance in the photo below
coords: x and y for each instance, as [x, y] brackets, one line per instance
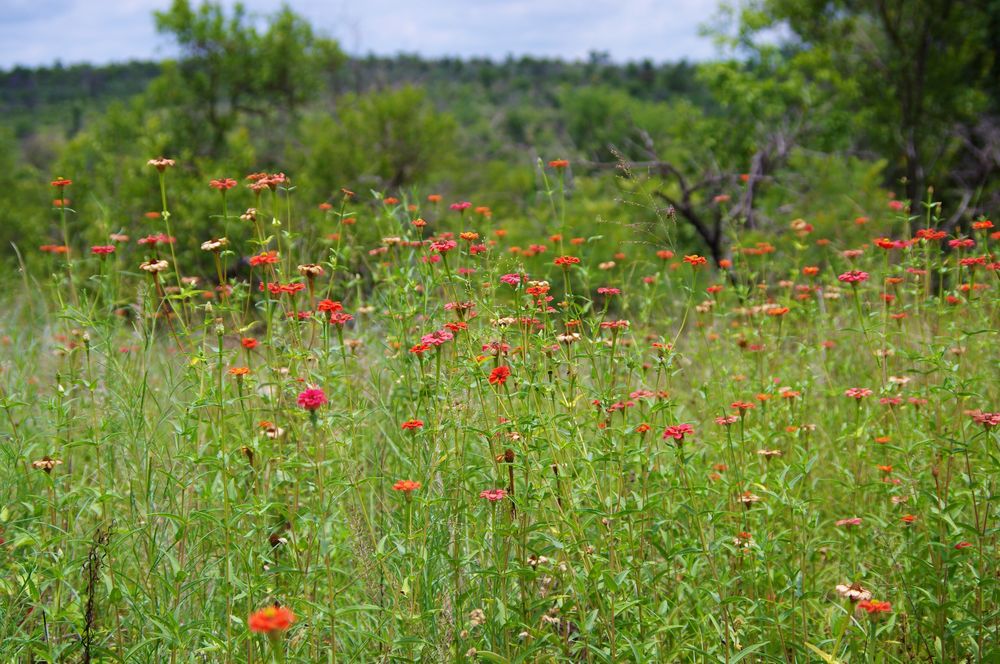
[271, 620]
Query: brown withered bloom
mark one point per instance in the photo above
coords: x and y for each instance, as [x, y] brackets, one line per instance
[153, 267]
[161, 163]
[46, 463]
[506, 457]
[310, 270]
[216, 244]
[854, 592]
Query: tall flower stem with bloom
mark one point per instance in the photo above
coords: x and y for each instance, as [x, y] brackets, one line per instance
[224, 470]
[60, 185]
[272, 621]
[165, 215]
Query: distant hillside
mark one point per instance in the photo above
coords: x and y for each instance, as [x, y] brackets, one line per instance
[61, 95]
[59, 98]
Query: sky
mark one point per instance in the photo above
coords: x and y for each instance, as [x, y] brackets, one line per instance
[40, 32]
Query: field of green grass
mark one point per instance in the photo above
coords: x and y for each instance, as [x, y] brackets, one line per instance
[436, 446]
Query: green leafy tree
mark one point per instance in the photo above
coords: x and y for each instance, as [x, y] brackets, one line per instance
[229, 70]
[394, 136]
[918, 75]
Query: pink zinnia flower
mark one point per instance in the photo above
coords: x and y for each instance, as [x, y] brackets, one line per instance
[678, 431]
[443, 246]
[987, 420]
[312, 398]
[858, 392]
[853, 277]
[493, 495]
[437, 338]
[846, 523]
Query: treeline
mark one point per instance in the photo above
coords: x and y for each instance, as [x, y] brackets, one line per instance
[858, 101]
[34, 97]
[61, 97]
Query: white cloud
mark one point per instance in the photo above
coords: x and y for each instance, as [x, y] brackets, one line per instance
[43, 31]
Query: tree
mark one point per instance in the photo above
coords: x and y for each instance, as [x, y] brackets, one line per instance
[918, 75]
[395, 136]
[229, 69]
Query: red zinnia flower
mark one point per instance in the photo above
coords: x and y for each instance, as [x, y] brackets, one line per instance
[565, 261]
[499, 375]
[222, 184]
[264, 258]
[406, 486]
[270, 620]
[329, 305]
[102, 250]
[874, 606]
[413, 424]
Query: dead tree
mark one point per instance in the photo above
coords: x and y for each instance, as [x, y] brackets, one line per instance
[696, 194]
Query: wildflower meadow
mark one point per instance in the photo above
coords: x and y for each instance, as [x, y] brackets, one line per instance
[395, 426]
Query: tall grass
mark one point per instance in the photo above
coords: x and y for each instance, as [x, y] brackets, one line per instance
[440, 448]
